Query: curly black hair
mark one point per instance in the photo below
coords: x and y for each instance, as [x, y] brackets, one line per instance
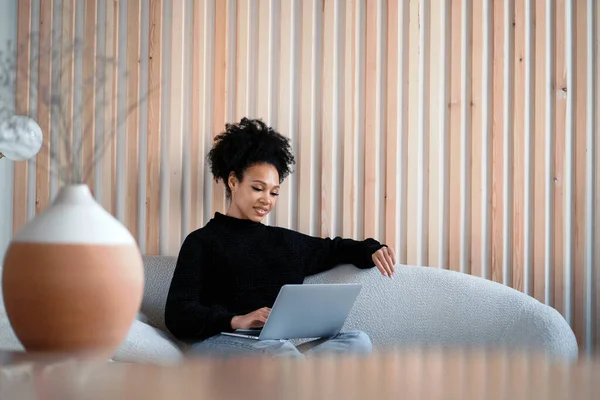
[247, 143]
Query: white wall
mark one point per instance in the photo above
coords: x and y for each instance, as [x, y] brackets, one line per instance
[8, 30]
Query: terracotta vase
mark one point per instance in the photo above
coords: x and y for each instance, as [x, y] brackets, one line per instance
[73, 278]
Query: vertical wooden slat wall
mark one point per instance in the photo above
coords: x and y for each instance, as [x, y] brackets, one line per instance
[464, 134]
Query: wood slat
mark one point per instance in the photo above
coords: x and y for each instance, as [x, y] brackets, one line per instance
[187, 115]
[597, 202]
[465, 136]
[456, 103]
[67, 84]
[497, 138]
[435, 195]
[306, 213]
[327, 205]
[44, 91]
[540, 129]
[370, 131]
[55, 131]
[197, 144]
[132, 123]
[242, 54]
[219, 84]
[22, 107]
[214, 192]
[442, 82]
[518, 146]
[110, 110]
[559, 155]
[423, 133]
[316, 128]
[259, 66]
[259, 82]
[381, 121]
[529, 149]
[580, 143]
[392, 129]
[252, 61]
[89, 92]
[155, 48]
[411, 139]
[287, 100]
[142, 110]
[477, 106]
[175, 133]
[508, 143]
[272, 38]
[349, 225]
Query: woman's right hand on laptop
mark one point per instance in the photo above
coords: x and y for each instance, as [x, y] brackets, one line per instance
[255, 319]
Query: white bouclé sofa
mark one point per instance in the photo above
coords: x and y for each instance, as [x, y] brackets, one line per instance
[421, 307]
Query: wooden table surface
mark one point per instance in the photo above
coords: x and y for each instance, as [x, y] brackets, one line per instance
[416, 374]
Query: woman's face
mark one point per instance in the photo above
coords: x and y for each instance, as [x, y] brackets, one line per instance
[256, 194]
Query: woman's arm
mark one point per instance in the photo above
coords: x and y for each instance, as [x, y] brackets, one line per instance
[186, 317]
[322, 254]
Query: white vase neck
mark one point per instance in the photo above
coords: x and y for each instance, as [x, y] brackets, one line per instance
[75, 217]
[74, 194]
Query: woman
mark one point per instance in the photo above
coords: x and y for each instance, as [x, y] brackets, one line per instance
[229, 272]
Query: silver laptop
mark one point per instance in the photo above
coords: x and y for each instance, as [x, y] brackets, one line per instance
[306, 311]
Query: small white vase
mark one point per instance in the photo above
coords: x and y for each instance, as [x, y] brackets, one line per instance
[73, 278]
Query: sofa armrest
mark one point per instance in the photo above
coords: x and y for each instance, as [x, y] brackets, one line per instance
[431, 307]
[537, 326]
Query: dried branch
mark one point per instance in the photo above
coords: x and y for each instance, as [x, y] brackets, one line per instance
[58, 98]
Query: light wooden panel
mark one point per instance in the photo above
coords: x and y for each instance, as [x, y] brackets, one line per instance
[22, 107]
[412, 54]
[108, 195]
[217, 39]
[478, 102]
[132, 124]
[595, 236]
[175, 133]
[561, 90]
[453, 144]
[44, 91]
[329, 122]
[307, 121]
[283, 16]
[196, 142]
[497, 150]
[457, 132]
[393, 153]
[371, 132]
[89, 91]
[539, 233]
[349, 88]
[577, 290]
[153, 140]
[518, 149]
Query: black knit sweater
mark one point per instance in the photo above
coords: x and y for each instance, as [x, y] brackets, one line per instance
[232, 267]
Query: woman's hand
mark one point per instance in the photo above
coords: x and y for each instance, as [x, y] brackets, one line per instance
[384, 260]
[255, 319]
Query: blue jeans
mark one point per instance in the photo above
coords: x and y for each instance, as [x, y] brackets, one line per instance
[351, 342]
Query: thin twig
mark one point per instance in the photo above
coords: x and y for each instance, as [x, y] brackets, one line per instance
[62, 55]
[99, 152]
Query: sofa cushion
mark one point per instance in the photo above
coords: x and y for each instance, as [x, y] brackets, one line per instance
[146, 344]
[8, 339]
[158, 272]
